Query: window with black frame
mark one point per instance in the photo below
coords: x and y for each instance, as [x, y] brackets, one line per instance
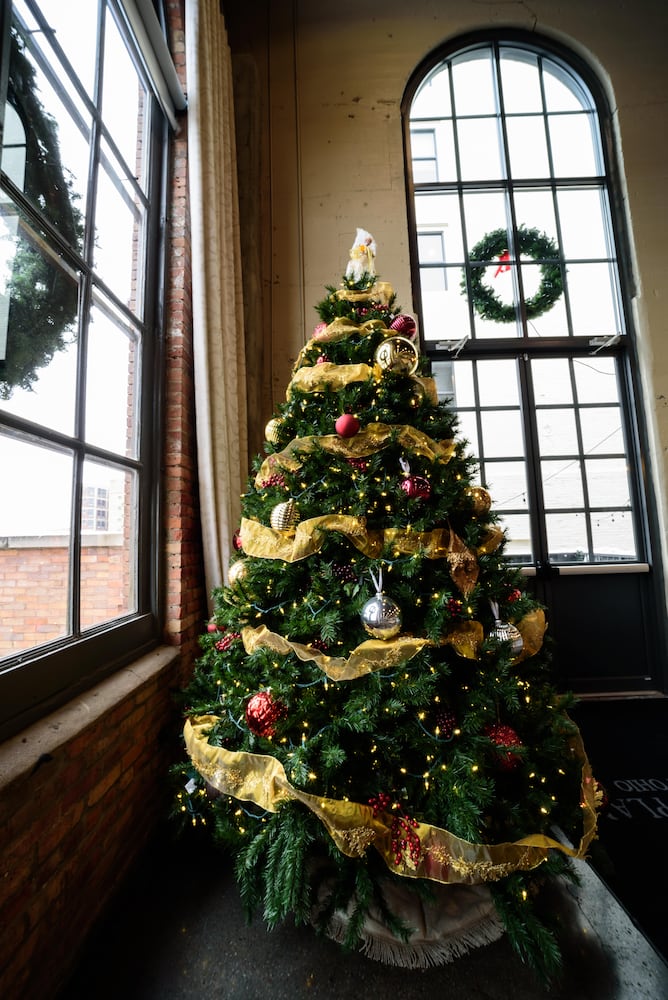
[521, 307]
[83, 142]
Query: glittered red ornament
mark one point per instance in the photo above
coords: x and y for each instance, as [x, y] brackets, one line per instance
[347, 425]
[445, 723]
[323, 359]
[319, 330]
[514, 595]
[507, 740]
[416, 487]
[262, 712]
[224, 644]
[405, 325]
[236, 540]
[361, 464]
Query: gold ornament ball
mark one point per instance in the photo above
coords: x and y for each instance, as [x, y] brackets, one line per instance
[284, 516]
[398, 355]
[481, 499]
[272, 431]
[237, 572]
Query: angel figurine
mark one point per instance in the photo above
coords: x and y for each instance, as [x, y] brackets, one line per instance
[362, 255]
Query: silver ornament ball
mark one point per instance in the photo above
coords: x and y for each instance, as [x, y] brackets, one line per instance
[507, 632]
[381, 617]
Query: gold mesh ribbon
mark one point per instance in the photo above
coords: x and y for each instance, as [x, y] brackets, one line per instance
[532, 628]
[309, 537]
[369, 440]
[369, 656]
[315, 378]
[380, 291]
[340, 329]
[261, 779]
[491, 540]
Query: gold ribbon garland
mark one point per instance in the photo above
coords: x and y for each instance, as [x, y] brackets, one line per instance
[367, 441]
[328, 375]
[261, 779]
[309, 536]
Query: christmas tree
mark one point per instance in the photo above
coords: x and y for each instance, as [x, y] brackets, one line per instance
[372, 721]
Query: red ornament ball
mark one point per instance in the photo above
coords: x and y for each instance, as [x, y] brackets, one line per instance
[405, 325]
[319, 330]
[347, 425]
[514, 595]
[263, 712]
[416, 487]
[236, 540]
[323, 359]
[212, 627]
[507, 740]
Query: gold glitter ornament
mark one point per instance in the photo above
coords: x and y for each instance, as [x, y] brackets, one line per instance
[237, 572]
[284, 516]
[480, 498]
[272, 431]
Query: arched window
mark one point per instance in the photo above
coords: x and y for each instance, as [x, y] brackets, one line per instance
[523, 294]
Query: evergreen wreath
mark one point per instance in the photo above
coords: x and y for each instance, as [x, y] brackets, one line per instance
[530, 243]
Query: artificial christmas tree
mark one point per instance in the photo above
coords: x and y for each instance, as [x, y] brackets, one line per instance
[372, 728]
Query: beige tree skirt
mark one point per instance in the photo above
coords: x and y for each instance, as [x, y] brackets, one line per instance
[458, 919]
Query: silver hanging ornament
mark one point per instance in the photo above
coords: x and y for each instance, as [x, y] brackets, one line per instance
[284, 516]
[381, 616]
[506, 632]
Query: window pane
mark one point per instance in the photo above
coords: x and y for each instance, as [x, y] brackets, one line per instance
[74, 26]
[613, 536]
[596, 380]
[593, 300]
[507, 484]
[111, 382]
[445, 310]
[124, 101]
[463, 378]
[602, 430]
[107, 563]
[567, 537]
[484, 212]
[608, 482]
[535, 210]
[584, 233]
[527, 147]
[118, 221]
[562, 92]
[551, 380]
[433, 151]
[573, 153]
[38, 325]
[497, 383]
[439, 213]
[468, 431]
[35, 517]
[562, 484]
[479, 151]
[502, 433]
[520, 82]
[518, 533]
[58, 127]
[433, 96]
[474, 83]
[557, 432]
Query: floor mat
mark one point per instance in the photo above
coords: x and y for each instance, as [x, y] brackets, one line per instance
[627, 745]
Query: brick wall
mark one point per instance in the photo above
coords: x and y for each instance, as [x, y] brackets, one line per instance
[82, 790]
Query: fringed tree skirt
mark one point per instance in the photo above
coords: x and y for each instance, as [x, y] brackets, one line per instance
[458, 919]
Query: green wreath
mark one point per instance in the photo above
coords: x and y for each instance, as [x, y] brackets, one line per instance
[529, 243]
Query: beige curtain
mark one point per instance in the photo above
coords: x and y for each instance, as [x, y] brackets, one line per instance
[219, 356]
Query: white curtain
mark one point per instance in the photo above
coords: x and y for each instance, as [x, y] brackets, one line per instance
[219, 356]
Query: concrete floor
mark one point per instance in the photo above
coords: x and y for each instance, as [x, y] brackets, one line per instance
[177, 931]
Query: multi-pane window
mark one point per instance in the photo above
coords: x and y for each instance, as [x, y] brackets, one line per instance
[520, 295]
[82, 143]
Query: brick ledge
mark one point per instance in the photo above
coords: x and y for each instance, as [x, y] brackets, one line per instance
[20, 754]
